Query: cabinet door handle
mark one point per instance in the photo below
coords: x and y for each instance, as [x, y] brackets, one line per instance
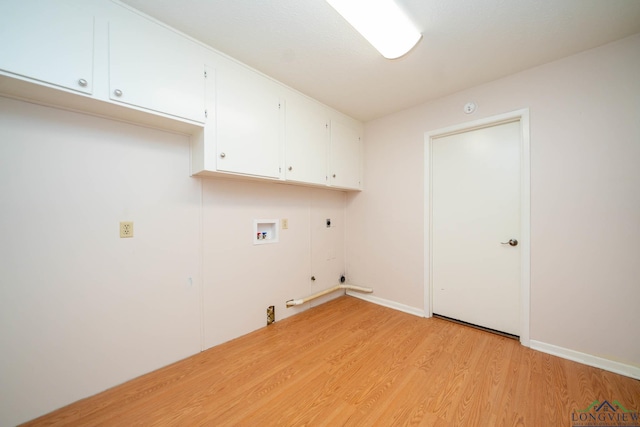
[82, 82]
[222, 155]
[290, 168]
[334, 175]
[117, 93]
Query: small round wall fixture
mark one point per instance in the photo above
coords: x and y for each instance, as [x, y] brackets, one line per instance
[470, 107]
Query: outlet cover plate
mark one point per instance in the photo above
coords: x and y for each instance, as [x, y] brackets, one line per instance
[126, 229]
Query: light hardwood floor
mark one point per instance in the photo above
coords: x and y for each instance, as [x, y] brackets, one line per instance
[349, 362]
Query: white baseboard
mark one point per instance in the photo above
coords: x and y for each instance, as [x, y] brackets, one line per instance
[387, 303]
[584, 358]
[587, 359]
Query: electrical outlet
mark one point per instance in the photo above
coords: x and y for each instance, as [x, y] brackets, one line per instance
[126, 229]
[285, 224]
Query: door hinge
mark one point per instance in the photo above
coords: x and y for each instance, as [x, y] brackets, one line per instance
[206, 114]
[205, 74]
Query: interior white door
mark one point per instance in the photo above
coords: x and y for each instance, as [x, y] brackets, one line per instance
[475, 208]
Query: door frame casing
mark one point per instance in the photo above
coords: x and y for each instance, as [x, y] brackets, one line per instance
[521, 116]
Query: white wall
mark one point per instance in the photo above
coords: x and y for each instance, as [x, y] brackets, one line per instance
[585, 202]
[82, 310]
[243, 279]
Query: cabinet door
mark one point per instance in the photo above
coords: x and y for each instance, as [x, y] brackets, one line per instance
[155, 68]
[247, 123]
[306, 141]
[46, 40]
[345, 161]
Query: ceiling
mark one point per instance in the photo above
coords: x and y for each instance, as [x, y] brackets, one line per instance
[305, 44]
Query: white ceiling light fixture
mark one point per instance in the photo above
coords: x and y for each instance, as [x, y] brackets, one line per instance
[382, 23]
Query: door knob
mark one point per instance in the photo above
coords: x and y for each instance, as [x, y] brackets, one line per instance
[512, 242]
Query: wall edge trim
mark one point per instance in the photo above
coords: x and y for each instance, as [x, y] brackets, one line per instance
[587, 359]
[388, 303]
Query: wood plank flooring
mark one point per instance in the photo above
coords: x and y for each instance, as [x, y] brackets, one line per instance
[349, 362]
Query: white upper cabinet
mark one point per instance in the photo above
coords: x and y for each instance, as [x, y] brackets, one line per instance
[102, 57]
[306, 141]
[152, 67]
[48, 41]
[345, 154]
[248, 122]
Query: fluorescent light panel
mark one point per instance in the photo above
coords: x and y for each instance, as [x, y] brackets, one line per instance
[382, 23]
